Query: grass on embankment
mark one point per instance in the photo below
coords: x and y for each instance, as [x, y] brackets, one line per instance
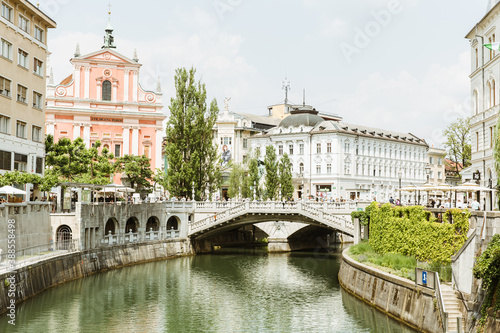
[395, 263]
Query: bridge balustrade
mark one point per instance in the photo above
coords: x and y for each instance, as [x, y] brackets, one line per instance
[171, 234]
[131, 237]
[312, 209]
[110, 239]
[152, 235]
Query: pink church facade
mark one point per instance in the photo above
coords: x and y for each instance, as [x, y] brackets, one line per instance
[103, 100]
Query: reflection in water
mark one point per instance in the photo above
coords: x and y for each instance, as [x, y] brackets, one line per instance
[209, 293]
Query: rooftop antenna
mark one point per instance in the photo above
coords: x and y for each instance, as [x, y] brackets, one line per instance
[285, 85]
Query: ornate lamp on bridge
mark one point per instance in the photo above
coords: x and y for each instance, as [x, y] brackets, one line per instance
[280, 193]
[254, 191]
[193, 192]
[400, 174]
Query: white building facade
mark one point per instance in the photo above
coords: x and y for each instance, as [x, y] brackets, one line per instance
[485, 72]
[336, 160]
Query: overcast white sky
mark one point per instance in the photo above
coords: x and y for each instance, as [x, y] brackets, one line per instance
[393, 64]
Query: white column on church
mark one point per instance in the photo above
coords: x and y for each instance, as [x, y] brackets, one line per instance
[99, 90]
[115, 91]
[135, 140]
[76, 130]
[77, 81]
[87, 82]
[126, 140]
[50, 127]
[125, 85]
[158, 147]
[86, 134]
[135, 85]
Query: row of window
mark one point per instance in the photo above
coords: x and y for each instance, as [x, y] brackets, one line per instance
[6, 50]
[491, 141]
[20, 162]
[118, 149]
[22, 22]
[439, 160]
[22, 93]
[21, 129]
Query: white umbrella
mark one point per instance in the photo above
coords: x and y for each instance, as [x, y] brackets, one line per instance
[11, 190]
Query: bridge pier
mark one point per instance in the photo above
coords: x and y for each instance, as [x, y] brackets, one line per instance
[276, 245]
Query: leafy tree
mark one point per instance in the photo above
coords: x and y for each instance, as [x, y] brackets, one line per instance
[458, 142]
[285, 174]
[101, 167]
[67, 159]
[191, 154]
[137, 170]
[236, 181]
[253, 176]
[160, 178]
[272, 178]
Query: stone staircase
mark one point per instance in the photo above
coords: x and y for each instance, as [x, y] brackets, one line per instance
[453, 306]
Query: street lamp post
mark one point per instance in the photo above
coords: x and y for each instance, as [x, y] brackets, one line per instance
[400, 174]
[254, 191]
[280, 192]
[193, 192]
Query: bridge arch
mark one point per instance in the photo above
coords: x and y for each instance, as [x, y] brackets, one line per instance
[132, 225]
[153, 224]
[64, 236]
[111, 226]
[173, 223]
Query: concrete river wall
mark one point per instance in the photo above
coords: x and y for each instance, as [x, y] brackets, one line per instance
[398, 297]
[31, 280]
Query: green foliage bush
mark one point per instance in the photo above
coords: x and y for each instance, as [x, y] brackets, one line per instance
[487, 268]
[412, 231]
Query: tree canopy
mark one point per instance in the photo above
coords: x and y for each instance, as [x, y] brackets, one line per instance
[272, 178]
[136, 170]
[192, 156]
[285, 175]
[458, 142]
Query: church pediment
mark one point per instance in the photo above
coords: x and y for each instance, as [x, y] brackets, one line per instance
[107, 55]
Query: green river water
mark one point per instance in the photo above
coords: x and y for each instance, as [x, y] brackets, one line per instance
[227, 292]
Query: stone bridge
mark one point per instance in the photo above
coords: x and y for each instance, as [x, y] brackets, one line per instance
[279, 220]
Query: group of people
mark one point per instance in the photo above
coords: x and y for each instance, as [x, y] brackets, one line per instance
[446, 203]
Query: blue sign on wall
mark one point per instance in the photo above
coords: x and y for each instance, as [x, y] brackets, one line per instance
[424, 277]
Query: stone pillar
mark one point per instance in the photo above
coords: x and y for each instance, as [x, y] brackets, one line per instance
[158, 147]
[76, 130]
[86, 88]
[77, 81]
[50, 127]
[135, 140]
[125, 85]
[135, 85]
[276, 245]
[86, 134]
[99, 90]
[114, 91]
[357, 231]
[126, 140]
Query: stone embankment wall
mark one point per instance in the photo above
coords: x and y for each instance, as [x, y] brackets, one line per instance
[396, 296]
[37, 277]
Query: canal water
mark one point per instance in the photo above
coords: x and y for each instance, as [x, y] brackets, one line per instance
[227, 292]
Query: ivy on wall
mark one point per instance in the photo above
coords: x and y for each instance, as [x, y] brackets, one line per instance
[413, 231]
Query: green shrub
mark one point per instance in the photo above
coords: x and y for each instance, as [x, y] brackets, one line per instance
[412, 231]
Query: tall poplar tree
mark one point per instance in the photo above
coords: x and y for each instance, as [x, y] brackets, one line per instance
[272, 178]
[458, 142]
[253, 176]
[285, 174]
[192, 156]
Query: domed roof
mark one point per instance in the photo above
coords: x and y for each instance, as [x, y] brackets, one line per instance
[301, 117]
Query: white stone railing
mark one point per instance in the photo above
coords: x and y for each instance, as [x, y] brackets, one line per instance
[171, 234]
[110, 239]
[131, 237]
[152, 235]
[273, 207]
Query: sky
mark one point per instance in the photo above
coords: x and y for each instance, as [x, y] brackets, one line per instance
[399, 65]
